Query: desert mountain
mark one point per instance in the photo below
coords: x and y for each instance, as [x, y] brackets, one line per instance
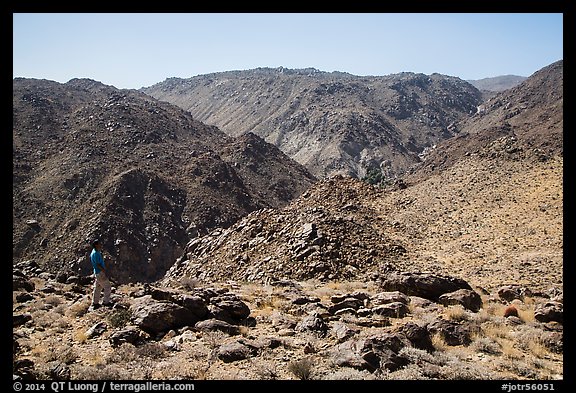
[486, 204]
[497, 83]
[452, 272]
[330, 122]
[91, 160]
[524, 122]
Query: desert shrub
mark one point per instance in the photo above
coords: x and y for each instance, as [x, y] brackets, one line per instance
[302, 368]
[349, 374]
[457, 313]
[213, 339]
[124, 353]
[189, 283]
[463, 370]
[439, 343]
[522, 369]
[49, 319]
[266, 369]
[410, 372]
[495, 329]
[180, 370]
[79, 308]
[151, 350]
[420, 356]
[52, 349]
[530, 339]
[373, 176]
[119, 318]
[102, 372]
[487, 345]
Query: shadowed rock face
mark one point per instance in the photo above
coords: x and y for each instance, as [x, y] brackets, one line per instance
[144, 176]
[332, 123]
[428, 286]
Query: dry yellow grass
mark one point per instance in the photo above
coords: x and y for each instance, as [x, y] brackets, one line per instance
[514, 351]
[456, 313]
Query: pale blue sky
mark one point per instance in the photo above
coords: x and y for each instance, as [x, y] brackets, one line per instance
[137, 50]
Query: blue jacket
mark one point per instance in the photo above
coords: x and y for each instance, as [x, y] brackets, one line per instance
[97, 261]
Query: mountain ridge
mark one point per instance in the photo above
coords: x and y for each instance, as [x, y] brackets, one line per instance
[333, 123]
[497, 83]
[91, 160]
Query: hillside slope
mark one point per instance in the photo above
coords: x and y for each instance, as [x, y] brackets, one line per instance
[332, 123]
[91, 160]
[486, 205]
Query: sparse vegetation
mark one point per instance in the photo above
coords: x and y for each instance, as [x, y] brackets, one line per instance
[373, 176]
[119, 317]
[302, 368]
[474, 211]
[514, 350]
[457, 313]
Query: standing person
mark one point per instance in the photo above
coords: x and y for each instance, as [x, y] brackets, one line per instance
[101, 281]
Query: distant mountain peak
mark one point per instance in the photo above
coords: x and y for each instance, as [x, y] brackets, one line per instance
[330, 122]
[497, 83]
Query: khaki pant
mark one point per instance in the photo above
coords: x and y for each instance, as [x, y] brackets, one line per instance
[101, 282]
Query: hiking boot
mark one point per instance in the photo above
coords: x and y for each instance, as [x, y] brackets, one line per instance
[93, 307]
[109, 304]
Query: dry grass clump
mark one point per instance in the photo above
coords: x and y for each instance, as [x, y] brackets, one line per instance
[463, 370]
[509, 350]
[263, 300]
[124, 353]
[487, 345]
[349, 374]
[80, 336]
[495, 328]
[178, 369]
[268, 303]
[50, 349]
[420, 356]
[302, 368]
[457, 313]
[141, 360]
[481, 317]
[439, 343]
[102, 372]
[50, 319]
[265, 369]
[325, 290]
[451, 365]
[78, 309]
[411, 372]
[529, 339]
[53, 300]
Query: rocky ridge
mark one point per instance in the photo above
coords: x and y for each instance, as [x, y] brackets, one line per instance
[485, 204]
[332, 123]
[91, 160]
[327, 233]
